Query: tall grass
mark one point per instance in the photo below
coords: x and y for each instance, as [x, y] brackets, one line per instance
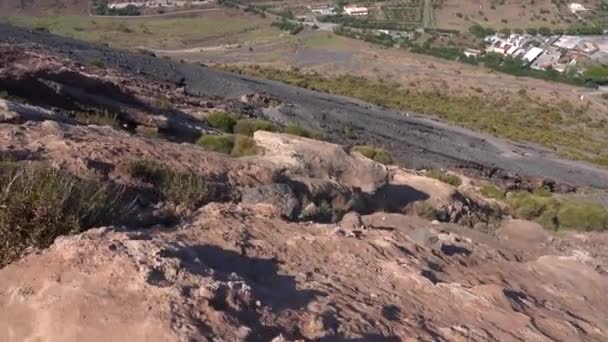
[38, 204]
[178, 188]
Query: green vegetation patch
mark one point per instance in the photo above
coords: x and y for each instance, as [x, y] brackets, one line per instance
[218, 143]
[491, 191]
[173, 32]
[222, 121]
[39, 203]
[100, 118]
[300, 131]
[178, 188]
[378, 155]
[249, 126]
[235, 145]
[445, 177]
[558, 214]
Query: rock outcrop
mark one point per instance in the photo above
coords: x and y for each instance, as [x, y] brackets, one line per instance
[240, 273]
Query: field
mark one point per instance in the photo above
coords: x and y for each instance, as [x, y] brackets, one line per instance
[43, 7]
[497, 14]
[157, 32]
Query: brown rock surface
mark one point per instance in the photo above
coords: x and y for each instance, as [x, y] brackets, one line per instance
[237, 274]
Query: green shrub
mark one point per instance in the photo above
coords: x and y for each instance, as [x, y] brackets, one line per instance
[542, 192]
[222, 121]
[378, 155]
[236, 145]
[490, 191]
[178, 188]
[244, 146]
[555, 214]
[98, 63]
[302, 132]
[527, 206]
[3, 94]
[100, 118]
[249, 126]
[445, 177]
[425, 210]
[217, 143]
[383, 157]
[39, 203]
[582, 216]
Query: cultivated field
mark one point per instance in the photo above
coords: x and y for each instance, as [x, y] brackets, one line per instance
[171, 32]
[460, 14]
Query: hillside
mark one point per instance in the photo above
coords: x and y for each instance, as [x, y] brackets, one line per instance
[148, 200]
[42, 7]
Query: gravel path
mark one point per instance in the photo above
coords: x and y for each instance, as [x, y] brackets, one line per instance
[413, 139]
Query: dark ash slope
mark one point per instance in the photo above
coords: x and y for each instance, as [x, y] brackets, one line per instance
[415, 140]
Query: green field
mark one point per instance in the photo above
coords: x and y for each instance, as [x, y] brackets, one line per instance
[150, 32]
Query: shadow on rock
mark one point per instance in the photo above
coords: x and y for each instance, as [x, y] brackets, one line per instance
[395, 198]
[274, 290]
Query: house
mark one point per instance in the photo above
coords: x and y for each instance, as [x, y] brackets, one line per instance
[356, 11]
[533, 54]
[472, 53]
[323, 9]
[576, 7]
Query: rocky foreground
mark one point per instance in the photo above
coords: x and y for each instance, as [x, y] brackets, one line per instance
[304, 241]
[245, 271]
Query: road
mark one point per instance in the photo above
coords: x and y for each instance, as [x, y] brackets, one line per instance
[427, 14]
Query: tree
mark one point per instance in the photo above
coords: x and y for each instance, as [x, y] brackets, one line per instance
[544, 31]
[478, 31]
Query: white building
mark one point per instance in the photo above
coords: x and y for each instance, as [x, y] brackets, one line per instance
[472, 53]
[356, 11]
[576, 7]
[323, 9]
[533, 54]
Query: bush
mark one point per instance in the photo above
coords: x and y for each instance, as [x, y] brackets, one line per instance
[217, 143]
[379, 155]
[236, 145]
[222, 121]
[555, 214]
[582, 216]
[249, 126]
[490, 191]
[244, 146]
[425, 210]
[178, 188]
[39, 203]
[525, 205]
[302, 132]
[98, 63]
[103, 118]
[445, 177]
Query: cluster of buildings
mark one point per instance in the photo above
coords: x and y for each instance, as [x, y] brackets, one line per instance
[120, 4]
[544, 53]
[352, 10]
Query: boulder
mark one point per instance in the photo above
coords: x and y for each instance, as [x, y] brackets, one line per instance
[281, 196]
